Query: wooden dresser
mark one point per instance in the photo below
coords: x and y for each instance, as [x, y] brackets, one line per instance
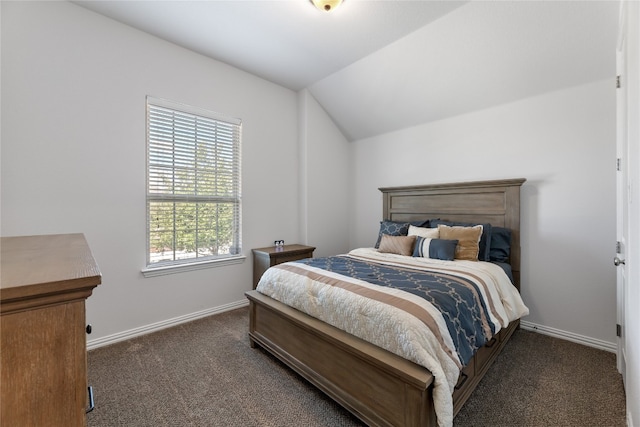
[264, 258]
[44, 282]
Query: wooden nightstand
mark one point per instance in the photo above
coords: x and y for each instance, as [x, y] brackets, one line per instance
[264, 258]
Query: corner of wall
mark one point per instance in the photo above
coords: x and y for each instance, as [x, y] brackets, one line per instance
[303, 111]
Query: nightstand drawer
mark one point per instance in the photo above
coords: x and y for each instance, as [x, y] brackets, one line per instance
[287, 258]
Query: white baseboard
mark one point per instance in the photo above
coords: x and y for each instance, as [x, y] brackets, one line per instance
[143, 330]
[569, 336]
[147, 329]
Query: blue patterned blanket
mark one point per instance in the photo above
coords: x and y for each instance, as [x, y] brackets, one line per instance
[464, 310]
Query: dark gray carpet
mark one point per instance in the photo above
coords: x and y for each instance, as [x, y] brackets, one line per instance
[205, 374]
[543, 381]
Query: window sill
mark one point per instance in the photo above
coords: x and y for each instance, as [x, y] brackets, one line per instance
[180, 268]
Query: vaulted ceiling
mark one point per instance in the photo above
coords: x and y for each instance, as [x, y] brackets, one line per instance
[379, 66]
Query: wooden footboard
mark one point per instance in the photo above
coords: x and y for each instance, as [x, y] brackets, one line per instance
[378, 387]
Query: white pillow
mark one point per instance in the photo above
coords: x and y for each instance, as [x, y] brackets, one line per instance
[428, 233]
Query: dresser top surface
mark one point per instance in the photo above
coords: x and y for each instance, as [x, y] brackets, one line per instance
[45, 263]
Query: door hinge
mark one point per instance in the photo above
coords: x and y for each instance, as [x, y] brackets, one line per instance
[618, 330]
[618, 164]
[618, 82]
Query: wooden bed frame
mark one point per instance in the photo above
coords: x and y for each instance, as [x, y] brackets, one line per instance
[378, 387]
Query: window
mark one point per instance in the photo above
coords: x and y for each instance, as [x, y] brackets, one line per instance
[193, 185]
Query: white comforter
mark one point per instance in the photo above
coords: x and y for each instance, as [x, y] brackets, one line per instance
[346, 303]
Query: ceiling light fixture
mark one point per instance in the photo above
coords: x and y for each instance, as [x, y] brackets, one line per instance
[326, 5]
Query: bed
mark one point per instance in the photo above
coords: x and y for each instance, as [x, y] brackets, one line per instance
[380, 386]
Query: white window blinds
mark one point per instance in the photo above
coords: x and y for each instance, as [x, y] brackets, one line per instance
[193, 184]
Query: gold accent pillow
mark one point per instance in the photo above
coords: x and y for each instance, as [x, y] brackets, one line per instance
[468, 240]
[401, 245]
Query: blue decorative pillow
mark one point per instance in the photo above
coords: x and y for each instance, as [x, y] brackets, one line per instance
[392, 228]
[485, 240]
[435, 248]
[500, 248]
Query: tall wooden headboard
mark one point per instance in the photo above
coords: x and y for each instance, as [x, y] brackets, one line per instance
[494, 202]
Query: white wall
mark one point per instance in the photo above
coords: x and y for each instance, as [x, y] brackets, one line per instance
[564, 144]
[73, 152]
[324, 194]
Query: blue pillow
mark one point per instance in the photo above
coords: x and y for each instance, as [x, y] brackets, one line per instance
[425, 223]
[484, 245]
[507, 269]
[435, 248]
[500, 248]
[392, 228]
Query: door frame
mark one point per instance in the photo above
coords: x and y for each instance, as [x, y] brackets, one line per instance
[622, 185]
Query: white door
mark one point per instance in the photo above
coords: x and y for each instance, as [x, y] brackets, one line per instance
[622, 194]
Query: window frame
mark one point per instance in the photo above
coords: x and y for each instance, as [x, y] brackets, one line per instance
[233, 144]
